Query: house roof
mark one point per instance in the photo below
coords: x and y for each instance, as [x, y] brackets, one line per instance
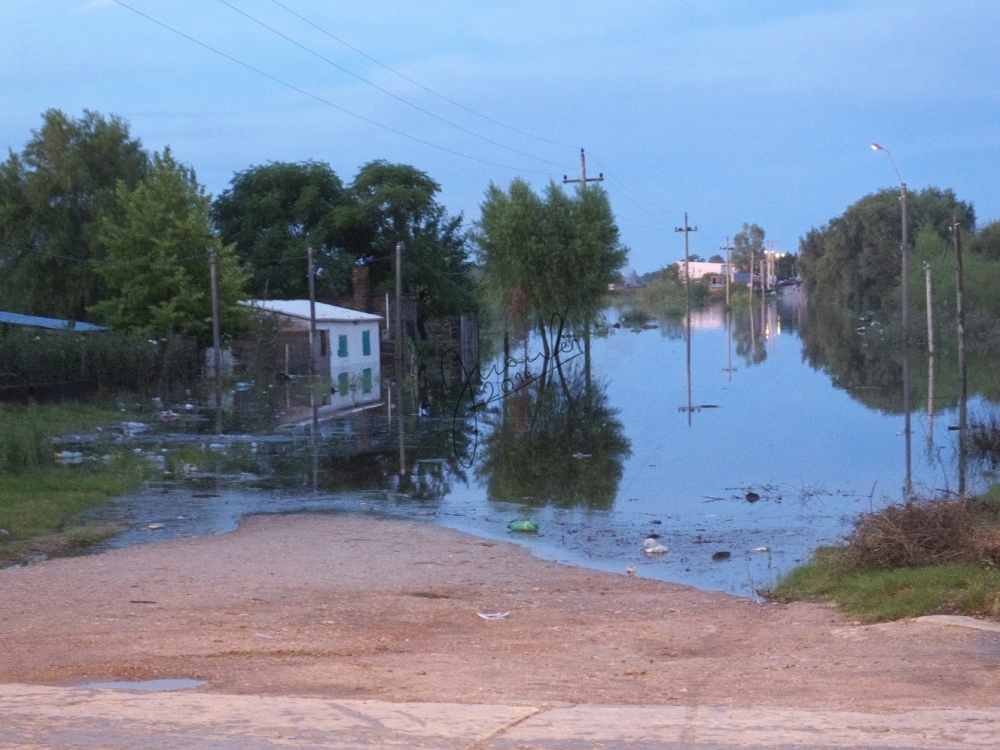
[34, 321]
[299, 308]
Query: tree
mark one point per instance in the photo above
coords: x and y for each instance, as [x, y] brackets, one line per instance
[747, 245]
[273, 213]
[156, 251]
[855, 260]
[549, 259]
[54, 197]
[397, 203]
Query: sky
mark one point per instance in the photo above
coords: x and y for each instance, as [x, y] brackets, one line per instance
[730, 111]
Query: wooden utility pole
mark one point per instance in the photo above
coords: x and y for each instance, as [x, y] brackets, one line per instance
[729, 268]
[687, 268]
[963, 395]
[583, 180]
[930, 356]
[312, 341]
[398, 352]
[216, 340]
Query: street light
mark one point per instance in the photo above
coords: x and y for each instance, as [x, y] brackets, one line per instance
[908, 488]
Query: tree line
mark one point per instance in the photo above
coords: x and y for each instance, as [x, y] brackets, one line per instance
[93, 226]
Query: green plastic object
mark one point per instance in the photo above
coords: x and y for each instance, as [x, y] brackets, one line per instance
[523, 524]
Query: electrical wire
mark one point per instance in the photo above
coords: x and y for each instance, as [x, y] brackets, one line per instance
[417, 83]
[320, 99]
[386, 91]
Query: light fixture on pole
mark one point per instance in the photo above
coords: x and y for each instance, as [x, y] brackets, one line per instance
[908, 488]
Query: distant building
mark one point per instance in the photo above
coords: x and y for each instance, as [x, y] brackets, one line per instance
[701, 268]
[347, 347]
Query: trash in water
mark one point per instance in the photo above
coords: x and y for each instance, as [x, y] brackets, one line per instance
[723, 555]
[523, 524]
[652, 547]
[762, 549]
[752, 497]
[494, 615]
[630, 571]
[133, 428]
[155, 526]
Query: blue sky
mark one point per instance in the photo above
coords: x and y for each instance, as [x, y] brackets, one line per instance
[730, 110]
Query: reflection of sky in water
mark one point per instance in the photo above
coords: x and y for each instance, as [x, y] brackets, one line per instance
[811, 452]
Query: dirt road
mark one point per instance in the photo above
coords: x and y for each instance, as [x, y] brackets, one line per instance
[360, 608]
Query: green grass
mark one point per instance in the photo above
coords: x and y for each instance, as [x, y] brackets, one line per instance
[40, 500]
[879, 595]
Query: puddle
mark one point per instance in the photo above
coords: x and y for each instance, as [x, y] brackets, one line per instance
[152, 686]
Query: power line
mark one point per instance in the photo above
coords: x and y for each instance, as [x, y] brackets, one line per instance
[320, 99]
[417, 83]
[385, 91]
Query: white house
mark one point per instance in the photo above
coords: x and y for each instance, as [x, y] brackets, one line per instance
[701, 268]
[347, 350]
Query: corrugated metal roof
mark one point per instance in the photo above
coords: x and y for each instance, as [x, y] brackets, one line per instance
[299, 308]
[34, 321]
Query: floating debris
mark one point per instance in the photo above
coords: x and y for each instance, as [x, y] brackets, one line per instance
[630, 571]
[723, 555]
[154, 526]
[652, 547]
[761, 549]
[523, 524]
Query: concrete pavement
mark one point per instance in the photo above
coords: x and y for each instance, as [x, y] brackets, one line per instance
[41, 718]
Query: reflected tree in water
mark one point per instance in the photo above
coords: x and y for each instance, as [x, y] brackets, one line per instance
[560, 444]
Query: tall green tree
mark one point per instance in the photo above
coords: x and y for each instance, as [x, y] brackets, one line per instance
[855, 260]
[747, 246]
[156, 266]
[398, 203]
[553, 255]
[273, 213]
[54, 196]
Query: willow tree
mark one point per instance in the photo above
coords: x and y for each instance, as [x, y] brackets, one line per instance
[548, 260]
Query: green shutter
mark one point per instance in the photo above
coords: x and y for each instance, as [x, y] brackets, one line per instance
[366, 343]
[342, 384]
[342, 346]
[366, 376]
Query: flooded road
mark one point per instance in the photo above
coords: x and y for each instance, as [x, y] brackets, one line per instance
[775, 455]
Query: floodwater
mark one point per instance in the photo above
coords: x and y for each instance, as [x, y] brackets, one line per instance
[763, 440]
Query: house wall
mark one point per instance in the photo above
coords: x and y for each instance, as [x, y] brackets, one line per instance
[355, 370]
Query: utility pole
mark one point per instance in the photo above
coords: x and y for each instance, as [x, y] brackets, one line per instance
[687, 304]
[398, 356]
[312, 341]
[729, 268]
[930, 356]
[216, 341]
[687, 268]
[963, 394]
[583, 180]
[583, 173]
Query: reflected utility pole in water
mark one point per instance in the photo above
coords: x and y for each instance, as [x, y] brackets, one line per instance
[687, 304]
[905, 246]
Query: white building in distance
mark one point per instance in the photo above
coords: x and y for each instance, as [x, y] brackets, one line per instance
[347, 350]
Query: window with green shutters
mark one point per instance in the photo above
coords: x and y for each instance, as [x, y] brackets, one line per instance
[342, 384]
[342, 346]
[366, 343]
[366, 378]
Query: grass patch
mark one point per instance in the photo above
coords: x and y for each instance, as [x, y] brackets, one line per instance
[39, 500]
[874, 595]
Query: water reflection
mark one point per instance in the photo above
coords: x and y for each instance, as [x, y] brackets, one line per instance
[558, 444]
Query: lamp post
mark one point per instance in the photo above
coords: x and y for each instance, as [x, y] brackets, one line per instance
[908, 487]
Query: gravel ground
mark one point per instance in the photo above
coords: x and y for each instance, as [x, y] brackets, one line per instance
[359, 608]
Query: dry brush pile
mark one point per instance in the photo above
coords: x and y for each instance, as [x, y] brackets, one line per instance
[925, 532]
